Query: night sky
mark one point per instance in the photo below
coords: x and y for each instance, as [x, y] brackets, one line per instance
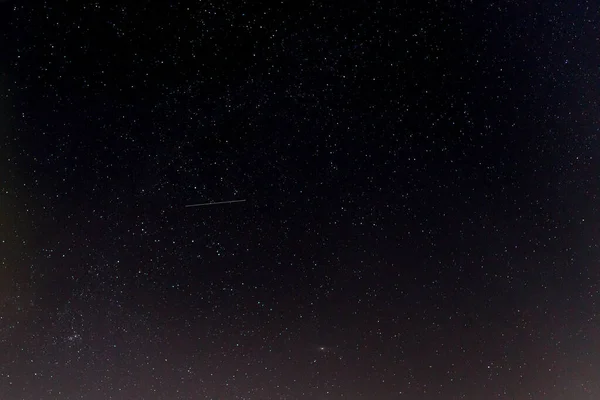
[422, 186]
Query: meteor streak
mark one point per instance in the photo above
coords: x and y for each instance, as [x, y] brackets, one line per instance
[215, 203]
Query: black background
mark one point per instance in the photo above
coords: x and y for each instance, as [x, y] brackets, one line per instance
[421, 215]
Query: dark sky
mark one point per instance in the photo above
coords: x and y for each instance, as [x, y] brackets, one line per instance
[422, 214]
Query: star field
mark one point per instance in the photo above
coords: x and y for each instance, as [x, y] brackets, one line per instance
[422, 213]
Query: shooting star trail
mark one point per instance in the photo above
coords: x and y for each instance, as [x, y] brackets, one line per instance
[215, 203]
